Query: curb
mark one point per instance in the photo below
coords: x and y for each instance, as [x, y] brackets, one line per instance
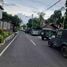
[8, 38]
[7, 42]
[7, 46]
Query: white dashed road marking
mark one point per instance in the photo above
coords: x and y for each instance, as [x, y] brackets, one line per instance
[33, 42]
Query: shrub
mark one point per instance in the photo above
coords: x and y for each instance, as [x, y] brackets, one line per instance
[5, 34]
[9, 33]
[1, 39]
[1, 31]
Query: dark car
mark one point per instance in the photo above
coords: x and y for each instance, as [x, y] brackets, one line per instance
[59, 41]
[47, 33]
[28, 31]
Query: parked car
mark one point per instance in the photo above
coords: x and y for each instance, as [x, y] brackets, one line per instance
[28, 31]
[35, 32]
[47, 33]
[59, 41]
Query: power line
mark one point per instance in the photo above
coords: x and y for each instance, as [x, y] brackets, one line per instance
[53, 5]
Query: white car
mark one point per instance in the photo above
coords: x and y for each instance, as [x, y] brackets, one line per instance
[35, 32]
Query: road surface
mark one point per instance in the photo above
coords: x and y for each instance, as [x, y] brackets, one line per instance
[29, 51]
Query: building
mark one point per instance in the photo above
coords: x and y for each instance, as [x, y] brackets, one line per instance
[3, 25]
[6, 26]
[1, 11]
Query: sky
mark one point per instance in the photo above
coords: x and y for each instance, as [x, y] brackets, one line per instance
[29, 7]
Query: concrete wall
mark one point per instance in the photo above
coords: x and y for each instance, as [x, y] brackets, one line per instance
[1, 13]
[0, 24]
[5, 25]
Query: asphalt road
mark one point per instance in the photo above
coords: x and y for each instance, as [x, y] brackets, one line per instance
[29, 51]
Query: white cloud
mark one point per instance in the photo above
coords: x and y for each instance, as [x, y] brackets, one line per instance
[27, 7]
[48, 14]
[19, 9]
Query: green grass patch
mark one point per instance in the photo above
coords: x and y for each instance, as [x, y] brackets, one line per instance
[3, 35]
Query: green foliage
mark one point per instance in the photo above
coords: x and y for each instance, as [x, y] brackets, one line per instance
[6, 34]
[1, 31]
[1, 39]
[56, 18]
[33, 23]
[24, 26]
[65, 23]
[14, 20]
[36, 22]
[3, 35]
[29, 24]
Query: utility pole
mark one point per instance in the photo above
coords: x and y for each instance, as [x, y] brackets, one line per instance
[32, 21]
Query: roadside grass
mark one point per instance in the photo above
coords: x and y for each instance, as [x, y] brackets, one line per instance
[4, 35]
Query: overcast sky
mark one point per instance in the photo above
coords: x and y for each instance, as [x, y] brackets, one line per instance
[28, 7]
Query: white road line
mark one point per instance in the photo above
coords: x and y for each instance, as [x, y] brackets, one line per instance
[33, 42]
[7, 46]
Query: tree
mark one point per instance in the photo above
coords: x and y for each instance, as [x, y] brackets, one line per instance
[5, 18]
[65, 23]
[29, 24]
[56, 18]
[36, 22]
[14, 20]
[51, 19]
[24, 26]
[41, 18]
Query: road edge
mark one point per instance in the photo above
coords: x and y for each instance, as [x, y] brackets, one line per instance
[2, 52]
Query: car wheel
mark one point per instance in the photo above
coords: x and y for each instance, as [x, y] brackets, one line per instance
[42, 38]
[64, 51]
[50, 43]
[47, 38]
